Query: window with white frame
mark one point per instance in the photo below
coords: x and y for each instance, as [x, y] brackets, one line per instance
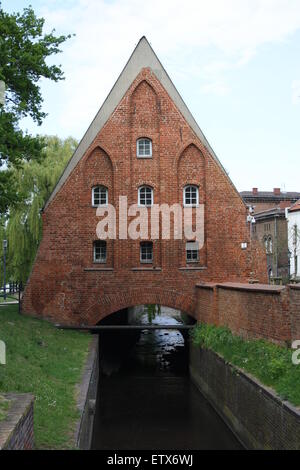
[191, 196]
[145, 196]
[99, 196]
[100, 252]
[192, 252]
[146, 252]
[144, 148]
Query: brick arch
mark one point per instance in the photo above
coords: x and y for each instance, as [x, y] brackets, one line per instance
[190, 146]
[191, 168]
[144, 110]
[98, 169]
[114, 301]
[138, 87]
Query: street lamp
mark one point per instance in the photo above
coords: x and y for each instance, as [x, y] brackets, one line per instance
[4, 267]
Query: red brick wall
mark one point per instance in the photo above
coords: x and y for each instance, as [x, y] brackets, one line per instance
[206, 304]
[295, 312]
[251, 310]
[254, 314]
[62, 289]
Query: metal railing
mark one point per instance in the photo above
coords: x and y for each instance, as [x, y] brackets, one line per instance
[10, 289]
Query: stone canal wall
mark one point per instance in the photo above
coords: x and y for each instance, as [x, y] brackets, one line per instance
[87, 396]
[257, 416]
[16, 430]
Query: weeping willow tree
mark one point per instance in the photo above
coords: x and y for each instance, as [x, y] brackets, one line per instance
[152, 311]
[24, 226]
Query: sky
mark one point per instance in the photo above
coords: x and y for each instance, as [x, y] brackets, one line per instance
[236, 64]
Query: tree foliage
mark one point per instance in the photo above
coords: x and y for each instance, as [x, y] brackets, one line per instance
[24, 50]
[24, 227]
[152, 311]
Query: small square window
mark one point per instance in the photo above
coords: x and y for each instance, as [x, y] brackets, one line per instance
[144, 148]
[146, 252]
[191, 196]
[145, 196]
[192, 252]
[99, 196]
[100, 251]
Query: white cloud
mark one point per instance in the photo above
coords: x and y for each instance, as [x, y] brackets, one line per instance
[107, 31]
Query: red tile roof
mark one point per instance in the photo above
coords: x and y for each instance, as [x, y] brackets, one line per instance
[295, 207]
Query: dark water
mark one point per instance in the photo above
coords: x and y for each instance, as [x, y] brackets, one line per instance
[150, 402]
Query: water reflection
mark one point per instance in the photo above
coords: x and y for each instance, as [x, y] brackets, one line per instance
[159, 351]
[150, 403]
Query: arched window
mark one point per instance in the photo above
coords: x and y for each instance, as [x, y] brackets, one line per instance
[144, 148]
[191, 196]
[99, 196]
[100, 251]
[145, 196]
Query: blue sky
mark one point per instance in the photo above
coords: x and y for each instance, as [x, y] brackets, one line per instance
[236, 64]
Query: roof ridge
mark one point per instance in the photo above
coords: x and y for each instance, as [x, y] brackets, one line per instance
[143, 56]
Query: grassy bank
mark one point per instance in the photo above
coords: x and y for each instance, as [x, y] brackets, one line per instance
[47, 363]
[4, 407]
[269, 363]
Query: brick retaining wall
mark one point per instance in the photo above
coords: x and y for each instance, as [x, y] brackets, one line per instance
[16, 431]
[87, 396]
[251, 310]
[256, 415]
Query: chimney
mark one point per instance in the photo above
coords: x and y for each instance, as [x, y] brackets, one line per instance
[277, 191]
[255, 191]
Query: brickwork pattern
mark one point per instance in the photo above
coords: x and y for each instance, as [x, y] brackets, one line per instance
[295, 311]
[256, 414]
[251, 310]
[17, 431]
[65, 284]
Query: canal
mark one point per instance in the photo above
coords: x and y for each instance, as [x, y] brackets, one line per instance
[146, 399]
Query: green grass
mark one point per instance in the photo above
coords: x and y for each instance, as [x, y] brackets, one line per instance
[269, 363]
[4, 407]
[46, 362]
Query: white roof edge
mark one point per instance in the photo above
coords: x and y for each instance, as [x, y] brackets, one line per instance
[143, 56]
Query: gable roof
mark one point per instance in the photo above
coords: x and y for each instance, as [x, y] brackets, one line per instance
[143, 56]
[262, 195]
[295, 207]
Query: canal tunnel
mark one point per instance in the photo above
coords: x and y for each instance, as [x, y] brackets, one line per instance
[146, 399]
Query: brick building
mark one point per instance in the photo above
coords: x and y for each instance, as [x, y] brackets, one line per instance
[264, 200]
[293, 216]
[270, 229]
[143, 144]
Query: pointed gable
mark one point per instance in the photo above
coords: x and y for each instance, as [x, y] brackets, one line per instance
[142, 57]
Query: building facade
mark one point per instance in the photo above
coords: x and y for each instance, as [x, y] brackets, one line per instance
[144, 146]
[264, 200]
[293, 217]
[270, 229]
